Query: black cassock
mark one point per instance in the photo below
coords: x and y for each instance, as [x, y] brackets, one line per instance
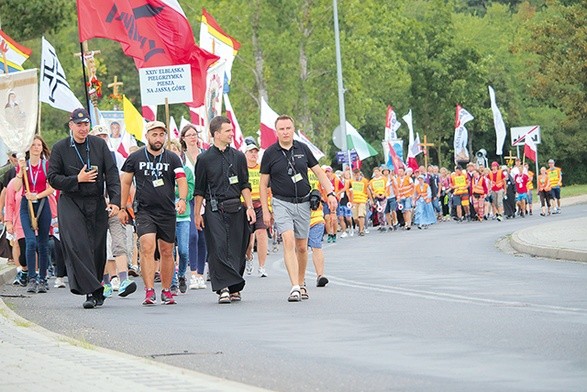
[509, 204]
[83, 219]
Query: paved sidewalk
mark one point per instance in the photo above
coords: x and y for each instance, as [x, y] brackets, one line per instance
[64, 364]
[566, 240]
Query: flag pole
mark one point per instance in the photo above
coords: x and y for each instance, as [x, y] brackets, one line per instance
[341, 109]
[82, 53]
[167, 118]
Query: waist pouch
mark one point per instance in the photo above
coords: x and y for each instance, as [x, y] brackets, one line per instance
[231, 206]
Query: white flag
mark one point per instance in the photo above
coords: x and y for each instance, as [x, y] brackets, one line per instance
[391, 125]
[497, 123]
[300, 136]
[238, 141]
[53, 86]
[461, 134]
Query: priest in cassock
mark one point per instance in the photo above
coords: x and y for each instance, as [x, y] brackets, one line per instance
[80, 167]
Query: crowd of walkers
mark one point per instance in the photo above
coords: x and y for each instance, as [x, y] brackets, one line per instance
[81, 211]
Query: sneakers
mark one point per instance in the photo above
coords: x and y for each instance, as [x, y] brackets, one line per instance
[108, 290]
[344, 234]
[59, 283]
[182, 285]
[249, 266]
[150, 297]
[321, 281]
[157, 277]
[115, 282]
[201, 283]
[174, 290]
[166, 297]
[32, 286]
[126, 288]
[194, 283]
[89, 303]
[42, 286]
[24, 278]
[262, 273]
[333, 240]
[133, 270]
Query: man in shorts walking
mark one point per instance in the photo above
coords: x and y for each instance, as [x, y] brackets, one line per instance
[155, 171]
[286, 165]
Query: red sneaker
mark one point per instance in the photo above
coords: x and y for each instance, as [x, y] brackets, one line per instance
[150, 297]
[167, 298]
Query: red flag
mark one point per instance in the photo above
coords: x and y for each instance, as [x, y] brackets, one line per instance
[530, 150]
[154, 32]
[267, 126]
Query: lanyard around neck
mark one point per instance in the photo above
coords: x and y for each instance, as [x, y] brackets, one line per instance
[87, 163]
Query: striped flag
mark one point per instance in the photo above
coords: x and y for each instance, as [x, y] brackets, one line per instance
[238, 141]
[267, 126]
[12, 54]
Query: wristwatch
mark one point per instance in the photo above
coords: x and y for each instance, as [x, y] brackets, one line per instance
[250, 208]
[331, 194]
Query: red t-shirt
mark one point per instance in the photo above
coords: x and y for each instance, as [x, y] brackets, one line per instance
[36, 176]
[521, 183]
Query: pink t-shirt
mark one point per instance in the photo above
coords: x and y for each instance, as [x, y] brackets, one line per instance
[36, 176]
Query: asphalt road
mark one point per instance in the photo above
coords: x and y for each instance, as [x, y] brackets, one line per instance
[438, 309]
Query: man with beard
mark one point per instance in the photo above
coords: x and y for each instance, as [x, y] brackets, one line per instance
[155, 171]
[80, 166]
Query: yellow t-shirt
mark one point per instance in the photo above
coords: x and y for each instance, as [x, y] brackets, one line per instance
[316, 217]
[313, 179]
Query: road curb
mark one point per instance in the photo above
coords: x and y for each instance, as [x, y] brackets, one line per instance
[7, 273]
[523, 246]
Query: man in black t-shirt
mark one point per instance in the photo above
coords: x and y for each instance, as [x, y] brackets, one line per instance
[156, 171]
[286, 165]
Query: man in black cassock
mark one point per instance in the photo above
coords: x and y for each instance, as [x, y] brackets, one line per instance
[222, 177]
[80, 166]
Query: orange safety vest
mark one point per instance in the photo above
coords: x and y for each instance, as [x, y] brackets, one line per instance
[422, 191]
[405, 187]
[497, 179]
[459, 183]
[478, 186]
[544, 183]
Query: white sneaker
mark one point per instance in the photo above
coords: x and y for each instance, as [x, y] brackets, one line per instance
[194, 282]
[366, 231]
[59, 283]
[262, 273]
[343, 234]
[201, 283]
[249, 267]
[115, 282]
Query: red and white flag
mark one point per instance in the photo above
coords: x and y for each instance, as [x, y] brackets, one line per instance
[149, 112]
[414, 148]
[267, 127]
[300, 136]
[153, 32]
[391, 125]
[395, 159]
[530, 149]
[238, 141]
[173, 129]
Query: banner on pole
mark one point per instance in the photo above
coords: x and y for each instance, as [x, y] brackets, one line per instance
[173, 82]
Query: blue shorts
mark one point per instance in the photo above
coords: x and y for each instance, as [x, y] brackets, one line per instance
[406, 203]
[391, 205]
[556, 193]
[315, 236]
[344, 211]
[522, 196]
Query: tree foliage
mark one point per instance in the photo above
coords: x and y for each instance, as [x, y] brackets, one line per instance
[424, 55]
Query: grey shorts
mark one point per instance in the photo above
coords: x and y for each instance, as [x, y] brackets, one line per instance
[118, 236]
[290, 216]
[497, 197]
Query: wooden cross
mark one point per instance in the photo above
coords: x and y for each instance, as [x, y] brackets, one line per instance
[425, 146]
[509, 160]
[88, 60]
[114, 85]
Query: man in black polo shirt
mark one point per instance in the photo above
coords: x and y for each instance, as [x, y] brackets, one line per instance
[286, 165]
[222, 178]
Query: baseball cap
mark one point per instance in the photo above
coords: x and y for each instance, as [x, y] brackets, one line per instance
[326, 168]
[155, 124]
[79, 116]
[551, 161]
[99, 130]
[494, 163]
[251, 145]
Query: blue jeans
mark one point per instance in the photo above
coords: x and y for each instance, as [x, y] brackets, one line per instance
[182, 238]
[36, 243]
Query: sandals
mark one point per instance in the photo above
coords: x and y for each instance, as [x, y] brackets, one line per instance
[224, 297]
[294, 296]
[235, 297]
[304, 292]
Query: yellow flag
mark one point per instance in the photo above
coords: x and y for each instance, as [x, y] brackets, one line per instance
[133, 121]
